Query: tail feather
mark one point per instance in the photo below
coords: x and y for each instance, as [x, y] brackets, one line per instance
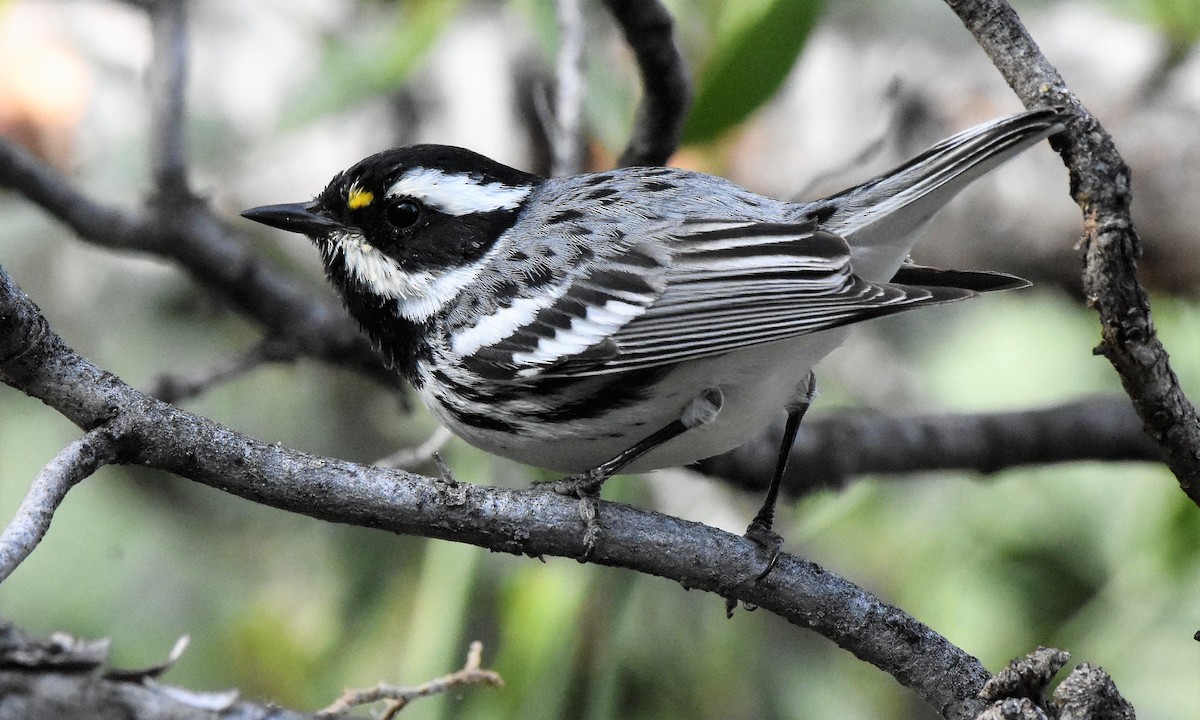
[880, 217]
[977, 280]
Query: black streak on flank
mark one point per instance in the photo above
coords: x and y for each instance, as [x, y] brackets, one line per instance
[823, 213]
[566, 216]
[640, 259]
[601, 194]
[539, 275]
[504, 292]
[600, 394]
[489, 395]
[479, 420]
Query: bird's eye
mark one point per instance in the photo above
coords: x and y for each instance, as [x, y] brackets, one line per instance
[403, 214]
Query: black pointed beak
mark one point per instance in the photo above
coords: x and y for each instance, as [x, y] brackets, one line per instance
[294, 217]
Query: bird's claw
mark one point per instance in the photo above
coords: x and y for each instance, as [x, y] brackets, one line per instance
[586, 487]
[762, 535]
[583, 485]
[770, 541]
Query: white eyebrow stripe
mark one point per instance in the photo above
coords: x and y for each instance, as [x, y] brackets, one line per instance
[457, 194]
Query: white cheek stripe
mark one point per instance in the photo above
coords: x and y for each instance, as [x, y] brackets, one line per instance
[418, 295]
[439, 291]
[456, 194]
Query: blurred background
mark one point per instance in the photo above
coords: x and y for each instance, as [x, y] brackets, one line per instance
[1097, 559]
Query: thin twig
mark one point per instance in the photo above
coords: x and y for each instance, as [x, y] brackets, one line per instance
[410, 458]
[566, 136]
[1101, 186]
[666, 89]
[168, 84]
[73, 463]
[152, 671]
[838, 446]
[174, 388]
[398, 696]
[49, 189]
[868, 150]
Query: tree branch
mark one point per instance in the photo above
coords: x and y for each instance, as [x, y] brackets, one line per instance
[38, 678]
[666, 90]
[154, 434]
[174, 388]
[168, 84]
[398, 697]
[1019, 691]
[1101, 186]
[65, 677]
[74, 463]
[834, 448]
[566, 127]
[198, 242]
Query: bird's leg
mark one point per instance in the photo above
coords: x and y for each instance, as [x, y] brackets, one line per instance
[702, 410]
[760, 527]
[589, 482]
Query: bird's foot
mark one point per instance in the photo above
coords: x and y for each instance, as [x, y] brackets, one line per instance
[762, 535]
[584, 484]
[769, 540]
[586, 487]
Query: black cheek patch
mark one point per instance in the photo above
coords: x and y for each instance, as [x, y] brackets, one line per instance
[448, 241]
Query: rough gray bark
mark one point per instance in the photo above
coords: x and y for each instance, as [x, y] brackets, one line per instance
[145, 431]
[153, 434]
[1110, 246]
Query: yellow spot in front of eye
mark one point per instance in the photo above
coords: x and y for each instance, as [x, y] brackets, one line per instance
[359, 198]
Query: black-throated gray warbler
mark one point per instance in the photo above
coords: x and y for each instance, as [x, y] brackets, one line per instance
[632, 319]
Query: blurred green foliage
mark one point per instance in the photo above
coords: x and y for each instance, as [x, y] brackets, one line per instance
[744, 51]
[754, 48]
[1177, 20]
[1096, 558]
[375, 62]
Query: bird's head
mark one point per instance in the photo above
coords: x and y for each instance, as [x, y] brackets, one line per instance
[408, 224]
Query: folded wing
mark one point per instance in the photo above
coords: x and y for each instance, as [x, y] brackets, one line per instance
[711, 287]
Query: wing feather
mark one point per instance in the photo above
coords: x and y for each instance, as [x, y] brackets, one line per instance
[719, 286]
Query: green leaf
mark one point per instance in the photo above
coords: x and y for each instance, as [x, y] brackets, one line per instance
[751, 61]
[1179, 20]
[356, 69]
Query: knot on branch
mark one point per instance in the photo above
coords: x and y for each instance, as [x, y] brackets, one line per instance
[22, 326]
[60, 652]
[1018, 692]
[1026, 677]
